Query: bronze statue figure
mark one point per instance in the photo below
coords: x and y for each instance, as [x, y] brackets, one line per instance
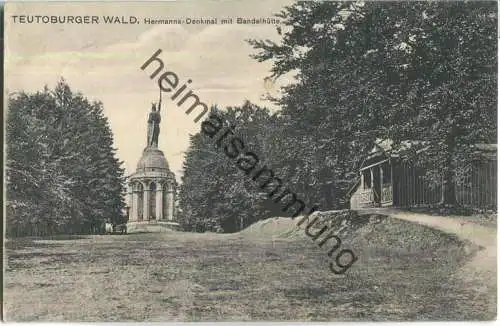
[154, 125]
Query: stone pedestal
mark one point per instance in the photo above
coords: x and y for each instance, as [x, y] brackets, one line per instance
[153, 188]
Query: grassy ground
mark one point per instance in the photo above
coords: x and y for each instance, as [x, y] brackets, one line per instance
[268, 272]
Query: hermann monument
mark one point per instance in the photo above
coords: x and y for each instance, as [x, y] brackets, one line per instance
[152, 188]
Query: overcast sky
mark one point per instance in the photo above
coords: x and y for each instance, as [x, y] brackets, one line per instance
[103, 62]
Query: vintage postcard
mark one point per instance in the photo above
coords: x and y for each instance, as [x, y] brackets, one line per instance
[271, 161]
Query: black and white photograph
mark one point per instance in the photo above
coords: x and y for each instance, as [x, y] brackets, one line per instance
[250, 161]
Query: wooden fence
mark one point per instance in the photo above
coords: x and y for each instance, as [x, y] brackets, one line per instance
[476, 189]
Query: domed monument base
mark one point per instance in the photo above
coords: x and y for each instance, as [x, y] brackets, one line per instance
[152, 188]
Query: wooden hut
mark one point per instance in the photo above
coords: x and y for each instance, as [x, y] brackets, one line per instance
[388, 180]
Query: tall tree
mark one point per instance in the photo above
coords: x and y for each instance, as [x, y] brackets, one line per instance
[450, 83]
[62, 172]
[215, 194]
[368, 70]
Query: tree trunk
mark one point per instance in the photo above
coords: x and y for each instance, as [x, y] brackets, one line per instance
[448, 190]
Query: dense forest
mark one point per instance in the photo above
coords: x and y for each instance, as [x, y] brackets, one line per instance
[420, 71]
[62, 172]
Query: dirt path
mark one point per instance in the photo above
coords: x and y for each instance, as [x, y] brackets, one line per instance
[483, 266]
[484, 236]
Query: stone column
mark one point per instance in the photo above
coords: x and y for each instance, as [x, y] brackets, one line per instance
[145, 204]
[170, 202]
[130, 200]
[135, 204]
[159, 201]
[362, 180]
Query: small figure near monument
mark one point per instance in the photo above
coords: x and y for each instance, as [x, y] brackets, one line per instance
[108, 228]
